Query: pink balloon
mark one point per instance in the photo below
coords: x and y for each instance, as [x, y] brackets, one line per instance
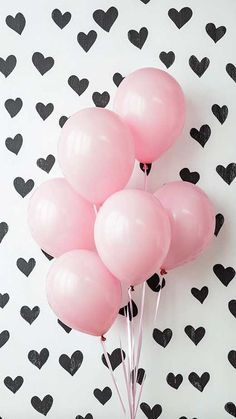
[152, 103]
[132, 235]
[59, 219]
[83, 293]
[192, 218]
[96, 153]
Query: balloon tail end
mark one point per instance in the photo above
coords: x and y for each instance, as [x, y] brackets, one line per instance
[163, 271]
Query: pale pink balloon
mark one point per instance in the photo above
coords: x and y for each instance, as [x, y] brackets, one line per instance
[192, 218]
[96, 153]
[60, 219]
[83, 293]
[132, 235]
[152, 103]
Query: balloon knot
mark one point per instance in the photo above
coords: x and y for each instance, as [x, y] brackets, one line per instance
[131, 288]
[163, 272]
[103, 339]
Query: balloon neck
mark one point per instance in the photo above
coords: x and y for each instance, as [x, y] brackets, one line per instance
[131, 288]
[163, 271]
[103, 339]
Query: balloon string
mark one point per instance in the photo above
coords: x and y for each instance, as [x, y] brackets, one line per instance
[139, 397]
[129, 360]
[140, 324]
[131, 321]
[102, 340]
[158, 302]
[126, 380]
[133, 371]
[140, 335]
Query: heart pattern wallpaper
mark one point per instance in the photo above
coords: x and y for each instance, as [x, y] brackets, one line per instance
[57, 57]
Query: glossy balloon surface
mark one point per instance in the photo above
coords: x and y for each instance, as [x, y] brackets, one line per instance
[152, 103]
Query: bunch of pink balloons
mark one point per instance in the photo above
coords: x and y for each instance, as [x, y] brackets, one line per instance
[101, 233]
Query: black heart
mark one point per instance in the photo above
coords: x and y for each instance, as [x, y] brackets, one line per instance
[42, 406]
[13, 106]
[49, 257]
[195, 335]
[8, 65]
[117, 79]
[145, 1]
[132, 310]
[103, 395]
[174, 380]
[215, 33]
[4, 336]
[232, 307]
[61, 19]
[38, 359]
[154, 283]
[106, 19]
[199, 382]
[3, 230]
[29, 315]
[4, 298]
[162, 338]
[46, 164]
[180, 18]
[232, 358]
[88, 416]
[86, 41]
[231, 408]
[199, 67]
[228, 173]
[73, 363]
[201, 294]
[151, 413]
[219, 223]
[64, 326]
[101, 99]
[231, 70]
[184, 417]
[220, 112]
[115, 358]
[26, 267]
[141, 375]
[14, 144]
[62, 120]
[23, 187]
[44, 110]
[13, 385]
[138, 39]
[167, 58]
[187, 176]
[43, 64]
[145, 167]
[225, 275]
[201, 136]
[78, 85]
[16, 23]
